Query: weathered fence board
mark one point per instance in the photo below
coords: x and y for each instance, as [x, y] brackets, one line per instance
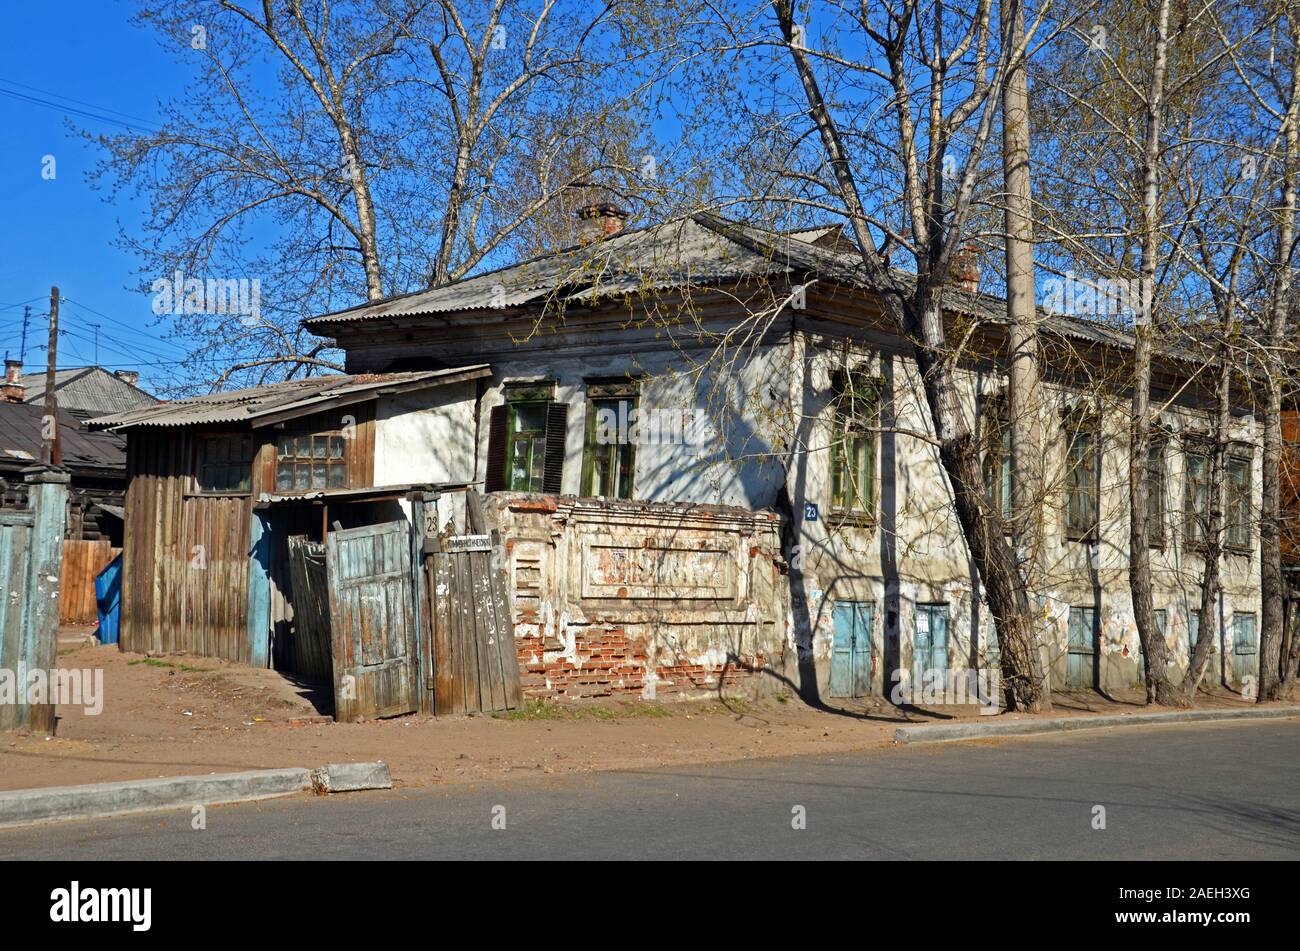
[475, 667]
[82, 563]
[31, 561]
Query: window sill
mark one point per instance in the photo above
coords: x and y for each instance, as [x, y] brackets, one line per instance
[852, 520]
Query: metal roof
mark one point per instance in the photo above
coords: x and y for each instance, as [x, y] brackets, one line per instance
[263, 405]
[87, 390]
[21, 440]
[699, 250]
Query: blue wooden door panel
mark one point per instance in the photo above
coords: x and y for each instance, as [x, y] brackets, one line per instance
[851, 649]
[862, 650]
[929, 641]
[1079, 661]
[843, 617]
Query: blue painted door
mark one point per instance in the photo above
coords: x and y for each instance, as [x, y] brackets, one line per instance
[1245, 647]
[852, 659]
[929, 641]
[1082, 648]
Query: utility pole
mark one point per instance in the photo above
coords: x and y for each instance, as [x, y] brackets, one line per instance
[51, 452]
[22, 350]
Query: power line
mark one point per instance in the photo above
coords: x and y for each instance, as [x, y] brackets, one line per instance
[80, 102]
[73, 110]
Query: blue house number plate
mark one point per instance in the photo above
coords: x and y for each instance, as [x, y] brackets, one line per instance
[810, 511]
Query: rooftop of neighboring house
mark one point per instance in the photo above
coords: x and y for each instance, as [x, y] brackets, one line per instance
[274, 402]
[88, 391]
[86, 453]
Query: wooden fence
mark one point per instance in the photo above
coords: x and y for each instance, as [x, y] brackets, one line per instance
[82, 563]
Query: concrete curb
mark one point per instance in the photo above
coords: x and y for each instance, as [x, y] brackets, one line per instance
[945, 733]
[100, 800]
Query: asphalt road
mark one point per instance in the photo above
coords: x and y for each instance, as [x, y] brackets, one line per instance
[1223, 791]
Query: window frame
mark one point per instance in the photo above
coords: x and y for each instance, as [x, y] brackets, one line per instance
[309, 461]
[623, 454]
[999, 474]
[1194, 517]
[201, 443]
[1241, 456]
[1158, 492]
[1077, 427]
[850, 425]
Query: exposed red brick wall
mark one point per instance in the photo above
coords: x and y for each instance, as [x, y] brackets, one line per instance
[609, 663]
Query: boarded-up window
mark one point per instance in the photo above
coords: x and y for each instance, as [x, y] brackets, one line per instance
[305, 461]
[225, 463]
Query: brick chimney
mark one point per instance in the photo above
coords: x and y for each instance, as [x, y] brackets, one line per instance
[599, 221]
[127, 376]
[965, 272]
[13, 388]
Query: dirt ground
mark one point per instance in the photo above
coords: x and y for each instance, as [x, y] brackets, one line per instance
[177, 715]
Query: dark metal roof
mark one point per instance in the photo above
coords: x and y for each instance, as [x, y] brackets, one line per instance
[21, 440]
[263, 405]
[87, 390]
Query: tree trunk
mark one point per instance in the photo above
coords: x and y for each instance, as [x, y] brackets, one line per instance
[367, 237]
[1211, 578]
[1272, 586]
[1024, 676]
[1026, 396]
[920, 316]
[1154, 648]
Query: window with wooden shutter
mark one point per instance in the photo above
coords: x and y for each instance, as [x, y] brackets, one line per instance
[526, 438]
[557, 415]
[494, 478]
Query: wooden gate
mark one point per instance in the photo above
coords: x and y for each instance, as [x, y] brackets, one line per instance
[473, 662]
[373, 621]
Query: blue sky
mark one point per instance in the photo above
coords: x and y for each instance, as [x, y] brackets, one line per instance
[60, 231]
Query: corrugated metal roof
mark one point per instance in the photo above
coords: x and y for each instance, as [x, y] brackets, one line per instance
[87, 390]
[289, 398]
[21, 440]
[699, 250]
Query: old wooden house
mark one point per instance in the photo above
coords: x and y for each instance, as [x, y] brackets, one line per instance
[704, 462]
